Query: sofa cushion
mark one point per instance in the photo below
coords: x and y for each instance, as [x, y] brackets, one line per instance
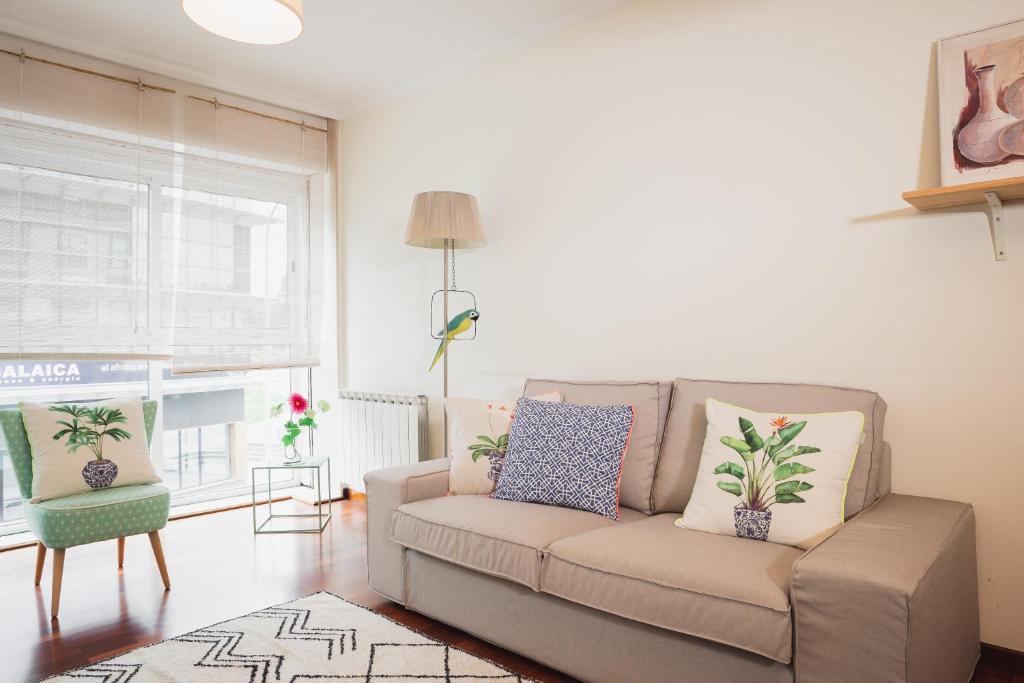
[650, 399]
[566, 454]
[772, 477]
[726, 589]
[498, 537]
[687, 425]
[478, 440]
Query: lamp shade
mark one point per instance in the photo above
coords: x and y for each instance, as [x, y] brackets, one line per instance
[440, 216]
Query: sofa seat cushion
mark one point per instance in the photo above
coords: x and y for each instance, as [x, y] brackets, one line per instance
[726, 589]
[498, 537]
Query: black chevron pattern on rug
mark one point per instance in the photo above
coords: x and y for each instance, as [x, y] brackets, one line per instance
[222, 654]
[107, 673]
[384, 654]
[251, 647]
[297, 620]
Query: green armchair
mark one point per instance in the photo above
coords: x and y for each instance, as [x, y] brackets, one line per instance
[100, 515]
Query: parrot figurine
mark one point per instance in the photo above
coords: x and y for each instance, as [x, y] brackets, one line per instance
[459, 324]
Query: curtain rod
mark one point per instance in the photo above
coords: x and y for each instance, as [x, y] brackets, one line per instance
[216, 103]
[138, 83]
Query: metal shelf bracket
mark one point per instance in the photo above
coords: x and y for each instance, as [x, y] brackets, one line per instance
[995, 222]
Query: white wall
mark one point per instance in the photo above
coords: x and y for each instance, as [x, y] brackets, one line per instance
[712, 189]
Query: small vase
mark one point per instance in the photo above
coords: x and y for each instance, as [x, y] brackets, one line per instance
[752, 524]
[99, 474]
[979, 139]
[497, 459]
[292, 456]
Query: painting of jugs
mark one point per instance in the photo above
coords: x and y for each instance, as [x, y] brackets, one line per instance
[978, 140]
[981, 104]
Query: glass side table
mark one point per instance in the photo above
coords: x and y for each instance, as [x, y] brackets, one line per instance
[314, 465]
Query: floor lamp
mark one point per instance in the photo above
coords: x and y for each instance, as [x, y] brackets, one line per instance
[446, 221]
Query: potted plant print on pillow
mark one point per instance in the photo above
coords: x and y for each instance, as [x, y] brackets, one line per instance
[773, 476]
[493, 446]
[767, 476]
[89, 427]
[82, 447]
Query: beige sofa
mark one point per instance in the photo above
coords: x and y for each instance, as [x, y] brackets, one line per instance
[892, 596]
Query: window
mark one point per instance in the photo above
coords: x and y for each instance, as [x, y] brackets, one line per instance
[176, 237]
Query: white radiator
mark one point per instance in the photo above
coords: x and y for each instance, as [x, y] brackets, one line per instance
[380, 430]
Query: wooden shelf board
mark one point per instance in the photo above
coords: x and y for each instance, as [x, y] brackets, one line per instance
[1007, 189]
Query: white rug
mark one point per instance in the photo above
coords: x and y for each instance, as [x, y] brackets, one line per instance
[320, 637]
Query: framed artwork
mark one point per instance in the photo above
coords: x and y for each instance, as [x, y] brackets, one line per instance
[981, 104]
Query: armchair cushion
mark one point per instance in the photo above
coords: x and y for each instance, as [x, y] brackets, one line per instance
[99, 515]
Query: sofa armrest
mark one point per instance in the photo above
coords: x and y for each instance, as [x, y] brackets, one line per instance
[385, 490]
[892, 596]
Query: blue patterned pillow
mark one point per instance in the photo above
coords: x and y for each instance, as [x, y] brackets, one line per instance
[566, 454]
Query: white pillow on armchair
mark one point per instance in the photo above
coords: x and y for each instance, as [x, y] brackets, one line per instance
[80, 447]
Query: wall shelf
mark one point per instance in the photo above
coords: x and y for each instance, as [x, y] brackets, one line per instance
[991, 192]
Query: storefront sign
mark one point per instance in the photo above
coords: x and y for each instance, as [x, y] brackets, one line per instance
[34, 373]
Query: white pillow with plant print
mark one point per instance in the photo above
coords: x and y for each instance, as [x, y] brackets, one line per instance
[478, 440]
[80, 447]
[772, 476]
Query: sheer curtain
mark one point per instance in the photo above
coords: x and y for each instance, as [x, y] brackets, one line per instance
[142, 221]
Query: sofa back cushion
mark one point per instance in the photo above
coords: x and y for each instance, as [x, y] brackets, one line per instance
[650, 401]
[686, 427]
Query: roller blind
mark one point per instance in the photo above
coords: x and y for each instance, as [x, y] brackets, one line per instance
[144, 222]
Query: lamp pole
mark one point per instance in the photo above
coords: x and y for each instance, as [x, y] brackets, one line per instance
[444, 342]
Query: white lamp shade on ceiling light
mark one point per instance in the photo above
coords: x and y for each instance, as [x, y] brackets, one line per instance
[260, 22]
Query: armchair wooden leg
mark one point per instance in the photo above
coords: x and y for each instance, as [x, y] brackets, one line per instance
[40, 561]
[120, 552]
[58, 574]
[158, 553]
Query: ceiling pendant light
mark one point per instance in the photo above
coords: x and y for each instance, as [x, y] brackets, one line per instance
[261, 22]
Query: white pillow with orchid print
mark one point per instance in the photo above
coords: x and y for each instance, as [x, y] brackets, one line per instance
[773, 477]
[478, 440]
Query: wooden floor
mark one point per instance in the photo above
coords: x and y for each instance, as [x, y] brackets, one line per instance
[219, 570]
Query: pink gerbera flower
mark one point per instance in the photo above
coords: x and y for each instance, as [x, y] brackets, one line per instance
[298, 403]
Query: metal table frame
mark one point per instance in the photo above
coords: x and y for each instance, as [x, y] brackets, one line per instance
[313, 465]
